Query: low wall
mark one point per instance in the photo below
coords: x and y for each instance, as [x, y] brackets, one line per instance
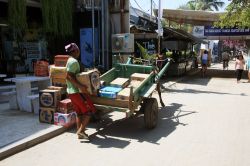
[178, 69]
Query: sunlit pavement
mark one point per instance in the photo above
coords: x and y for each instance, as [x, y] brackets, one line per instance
[206, 122]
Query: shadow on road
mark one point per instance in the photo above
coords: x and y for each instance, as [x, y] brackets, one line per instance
[224, 73]
[119, 134]
[193, 91]
[198, 79]
[212, 73]
[194, 80]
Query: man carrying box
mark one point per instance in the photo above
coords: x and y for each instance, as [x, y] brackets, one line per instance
[83, 106]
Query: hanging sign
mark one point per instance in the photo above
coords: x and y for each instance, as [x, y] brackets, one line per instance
[213, 31]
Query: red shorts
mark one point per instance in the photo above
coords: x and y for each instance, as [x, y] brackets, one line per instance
[82, 104]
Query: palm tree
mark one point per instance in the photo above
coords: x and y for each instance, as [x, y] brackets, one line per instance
[206, 4]
[188, 6]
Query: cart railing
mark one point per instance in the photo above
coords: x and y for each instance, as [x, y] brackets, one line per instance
[137, 94]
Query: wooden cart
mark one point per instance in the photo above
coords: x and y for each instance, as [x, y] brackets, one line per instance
[140, 99]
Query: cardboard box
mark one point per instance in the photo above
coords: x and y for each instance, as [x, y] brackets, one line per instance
[139, 76]
[65, 106]
[61, 60]
[41, 68]
[59, 82]
[91, 79]
[49, 98]
[120, 82]
[58, 72]
[124, 94]
[61, 89]
[66, 120]
[134, 83]
[46, 115]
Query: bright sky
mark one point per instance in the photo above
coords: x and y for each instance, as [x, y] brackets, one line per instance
[166, 4]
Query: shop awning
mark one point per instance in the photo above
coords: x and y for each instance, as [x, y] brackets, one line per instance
[193, 17]
[171, 34]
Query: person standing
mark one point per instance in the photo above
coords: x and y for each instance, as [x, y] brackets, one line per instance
[204, 62]
[81, 102]
[239, 66]
[225, 59]
[248, 67]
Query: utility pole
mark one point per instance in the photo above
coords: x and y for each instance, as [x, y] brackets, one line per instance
[160, 30]
[93, 30]
[151, 10]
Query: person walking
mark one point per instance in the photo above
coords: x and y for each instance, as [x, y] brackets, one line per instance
[204, 62]
[225, 59]
[248, 67]
[239, 66]
[81, 102]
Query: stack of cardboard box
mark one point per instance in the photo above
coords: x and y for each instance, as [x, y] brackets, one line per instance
[58, 71]
[120, 87]
[54, 105]
[58, 76]
[65, 115]
[48, 100]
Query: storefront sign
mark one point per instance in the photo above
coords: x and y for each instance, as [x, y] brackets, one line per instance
[198, 31]
[213, 31]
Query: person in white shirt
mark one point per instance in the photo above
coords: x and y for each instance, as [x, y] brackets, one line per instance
[239, 66]
[204, 62]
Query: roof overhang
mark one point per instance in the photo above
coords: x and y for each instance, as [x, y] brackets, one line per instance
[171, 34]
[193, 17]
[145, 36]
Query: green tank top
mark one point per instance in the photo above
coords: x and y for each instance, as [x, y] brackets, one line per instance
[72, 67]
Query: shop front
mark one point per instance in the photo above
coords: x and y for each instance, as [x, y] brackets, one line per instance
[20, 50]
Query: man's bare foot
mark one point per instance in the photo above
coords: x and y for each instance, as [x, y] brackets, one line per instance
[83, 135]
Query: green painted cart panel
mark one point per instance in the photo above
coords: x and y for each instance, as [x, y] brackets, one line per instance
[125, 71]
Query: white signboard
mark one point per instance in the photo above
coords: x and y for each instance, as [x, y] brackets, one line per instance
[198, 31]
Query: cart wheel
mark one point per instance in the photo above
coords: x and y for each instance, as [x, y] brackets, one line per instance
[150, 113]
